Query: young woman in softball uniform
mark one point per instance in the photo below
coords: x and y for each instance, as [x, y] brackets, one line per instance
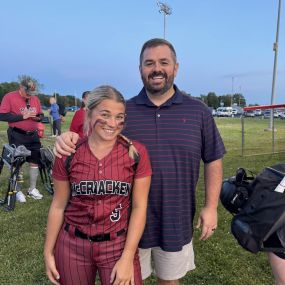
[98, 211]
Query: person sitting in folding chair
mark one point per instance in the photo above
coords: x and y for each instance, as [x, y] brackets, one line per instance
[22, 110]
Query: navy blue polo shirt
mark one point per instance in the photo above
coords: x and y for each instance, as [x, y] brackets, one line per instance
[177, 134]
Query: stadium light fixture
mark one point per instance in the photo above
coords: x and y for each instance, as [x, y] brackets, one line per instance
[166, 11]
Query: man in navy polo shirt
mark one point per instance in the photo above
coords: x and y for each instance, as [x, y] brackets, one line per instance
[179, 131]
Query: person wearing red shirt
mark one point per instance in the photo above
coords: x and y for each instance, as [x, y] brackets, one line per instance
[22, 110]
[77, 123]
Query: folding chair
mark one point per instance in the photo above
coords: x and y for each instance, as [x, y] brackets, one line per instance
[45, 168]
[13, 157]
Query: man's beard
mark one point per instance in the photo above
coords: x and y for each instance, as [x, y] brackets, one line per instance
[158, 90]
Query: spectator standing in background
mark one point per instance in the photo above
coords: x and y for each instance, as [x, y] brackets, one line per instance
[22, 110]
[56, 119]
[77, 122]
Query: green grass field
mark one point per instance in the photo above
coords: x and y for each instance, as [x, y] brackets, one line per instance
[219, 260]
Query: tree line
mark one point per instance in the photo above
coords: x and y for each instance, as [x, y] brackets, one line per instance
[211, 99]
[66, 100]
[228, 100]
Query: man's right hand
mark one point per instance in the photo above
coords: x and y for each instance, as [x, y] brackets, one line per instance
[65, 144]
[28, 115]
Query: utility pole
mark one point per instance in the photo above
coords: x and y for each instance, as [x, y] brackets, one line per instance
[275, 49]
[233, 78]
[239, 96]
[166, 11]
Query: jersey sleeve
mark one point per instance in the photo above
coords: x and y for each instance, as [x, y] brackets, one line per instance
[144, 165]
[74, 126]
[59, 172]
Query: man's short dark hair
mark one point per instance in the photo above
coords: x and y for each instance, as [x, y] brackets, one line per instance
[84, 94]
[155, 43]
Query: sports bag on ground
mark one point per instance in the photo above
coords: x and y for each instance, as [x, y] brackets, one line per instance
[259, 210]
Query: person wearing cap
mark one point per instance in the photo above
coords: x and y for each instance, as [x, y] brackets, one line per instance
[22, 110]
[78, 118]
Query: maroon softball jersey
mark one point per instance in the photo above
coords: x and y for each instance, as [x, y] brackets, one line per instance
[100, 189]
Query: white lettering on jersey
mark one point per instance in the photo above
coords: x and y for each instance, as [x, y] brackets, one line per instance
[101, 187]
[116, 214]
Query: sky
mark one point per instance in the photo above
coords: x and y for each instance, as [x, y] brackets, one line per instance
[69, 46]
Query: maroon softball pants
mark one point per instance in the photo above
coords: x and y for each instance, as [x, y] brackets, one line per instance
[78, 260]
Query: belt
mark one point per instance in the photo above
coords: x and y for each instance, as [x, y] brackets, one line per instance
[20, 131]
[96, 238]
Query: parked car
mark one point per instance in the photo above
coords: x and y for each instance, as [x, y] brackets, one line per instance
[249, 113]
[237, 112]
[224, 112]
[72, 108]
[267, 114]
[258, 112]
[213, 111]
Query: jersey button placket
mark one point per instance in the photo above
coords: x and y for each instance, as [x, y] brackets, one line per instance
[100, 168]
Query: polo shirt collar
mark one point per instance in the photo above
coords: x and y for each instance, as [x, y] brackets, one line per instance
[177, 98]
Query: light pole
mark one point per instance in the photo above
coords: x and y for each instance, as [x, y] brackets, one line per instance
[233, 78]
[275, 49]
[239, 95]
[166, 11]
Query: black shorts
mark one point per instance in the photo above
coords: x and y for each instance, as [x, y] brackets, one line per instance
[31, 141]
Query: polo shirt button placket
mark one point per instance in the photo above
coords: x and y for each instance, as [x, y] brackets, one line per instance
[157, 122]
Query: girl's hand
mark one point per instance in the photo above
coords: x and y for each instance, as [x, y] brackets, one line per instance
[51, 270]
[123, 272]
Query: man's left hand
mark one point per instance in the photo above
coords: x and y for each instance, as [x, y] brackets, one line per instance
[207, 221]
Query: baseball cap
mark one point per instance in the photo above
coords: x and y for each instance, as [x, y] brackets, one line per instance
[30, 85]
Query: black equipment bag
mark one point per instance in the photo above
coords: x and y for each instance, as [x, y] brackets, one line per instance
[45, 168]
[61, 109]
[263, 213]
